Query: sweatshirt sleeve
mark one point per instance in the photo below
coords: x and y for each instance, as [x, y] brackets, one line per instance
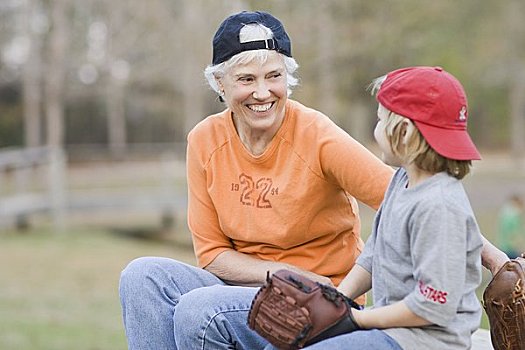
[357, 170]
[203, 222]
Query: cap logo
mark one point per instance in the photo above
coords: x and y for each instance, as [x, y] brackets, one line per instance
[437, 104]
[463, 114]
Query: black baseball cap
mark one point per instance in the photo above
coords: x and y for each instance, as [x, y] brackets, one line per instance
[226, 42]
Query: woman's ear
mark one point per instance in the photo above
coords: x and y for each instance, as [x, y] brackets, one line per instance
[220, 88]
[219, 85]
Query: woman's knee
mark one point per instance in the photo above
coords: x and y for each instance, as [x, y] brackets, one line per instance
[162, 276]
[136, 270]
[139, 273]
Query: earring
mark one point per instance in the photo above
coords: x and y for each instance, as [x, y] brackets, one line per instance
[221, 96]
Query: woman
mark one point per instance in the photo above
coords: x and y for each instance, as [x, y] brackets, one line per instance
[271, 184]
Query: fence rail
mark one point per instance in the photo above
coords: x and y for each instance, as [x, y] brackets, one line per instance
[39, 180]
[32, 180]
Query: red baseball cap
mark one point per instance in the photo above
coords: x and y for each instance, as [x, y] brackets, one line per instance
[436, 102]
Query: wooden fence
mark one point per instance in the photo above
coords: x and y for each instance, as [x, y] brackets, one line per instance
[35, 181]
[32, 180]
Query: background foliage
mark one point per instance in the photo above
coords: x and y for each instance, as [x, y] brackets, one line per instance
[132, 70]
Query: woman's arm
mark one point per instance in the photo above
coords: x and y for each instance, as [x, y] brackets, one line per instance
[491, 257]
[391, 316]
[244, 270]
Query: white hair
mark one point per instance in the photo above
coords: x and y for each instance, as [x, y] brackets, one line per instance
[251, 32]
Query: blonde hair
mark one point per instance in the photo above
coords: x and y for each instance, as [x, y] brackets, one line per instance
[415, 149]
[410, 146]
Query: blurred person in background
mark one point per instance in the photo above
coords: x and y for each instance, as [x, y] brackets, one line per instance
[272, 184]
[511, 233]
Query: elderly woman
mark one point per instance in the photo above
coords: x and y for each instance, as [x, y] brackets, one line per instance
[272, 184]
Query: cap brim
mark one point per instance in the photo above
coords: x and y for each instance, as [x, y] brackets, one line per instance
[450, 143]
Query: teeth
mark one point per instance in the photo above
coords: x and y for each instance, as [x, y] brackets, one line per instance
[260, 108]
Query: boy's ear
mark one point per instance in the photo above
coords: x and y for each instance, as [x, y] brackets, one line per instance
[405, 132]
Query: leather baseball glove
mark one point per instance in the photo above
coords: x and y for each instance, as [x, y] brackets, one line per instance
[292, 311]
[504, 303]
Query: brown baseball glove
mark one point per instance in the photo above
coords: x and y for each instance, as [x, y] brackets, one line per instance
[504, 303]
[292, 311]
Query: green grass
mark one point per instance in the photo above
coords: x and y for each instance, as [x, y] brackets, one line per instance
[61, 291]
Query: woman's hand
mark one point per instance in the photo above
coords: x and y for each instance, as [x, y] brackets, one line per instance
[310, 275]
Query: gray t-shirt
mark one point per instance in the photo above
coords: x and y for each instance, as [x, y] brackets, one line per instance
[425, 249]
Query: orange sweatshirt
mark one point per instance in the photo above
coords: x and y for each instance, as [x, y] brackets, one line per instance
[295, 203]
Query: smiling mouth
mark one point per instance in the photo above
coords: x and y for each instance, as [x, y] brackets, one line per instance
[260, 108]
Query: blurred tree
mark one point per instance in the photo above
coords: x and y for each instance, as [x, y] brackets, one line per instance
[323, 26]
[55, 73]
[515, 44]
[190, 82]
[32, 91]
[126, 72]
[118, 74]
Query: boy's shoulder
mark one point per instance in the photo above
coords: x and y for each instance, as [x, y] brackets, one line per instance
[438, 190]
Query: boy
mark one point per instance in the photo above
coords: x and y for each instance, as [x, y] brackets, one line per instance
[423, 256]
[510, 226]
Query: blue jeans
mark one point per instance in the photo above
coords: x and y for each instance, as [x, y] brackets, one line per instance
[373, 339]
[366, 339]
[169, 305]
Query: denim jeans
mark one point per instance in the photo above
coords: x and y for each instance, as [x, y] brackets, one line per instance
[167, 304]
[170, 305]
[372, 339]
[366, 339]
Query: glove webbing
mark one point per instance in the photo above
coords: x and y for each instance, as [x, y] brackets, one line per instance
[336, 297]
[300, 285]
[302, 335]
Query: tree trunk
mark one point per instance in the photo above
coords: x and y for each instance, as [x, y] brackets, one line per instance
[55, 75]
[31, 82]
[192, 86]
[116, 119]
[115, 96]
[326, 84]
[514, 19]
[517, 112]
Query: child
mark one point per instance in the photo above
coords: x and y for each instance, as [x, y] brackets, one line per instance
[423, 256]
[510, 226]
